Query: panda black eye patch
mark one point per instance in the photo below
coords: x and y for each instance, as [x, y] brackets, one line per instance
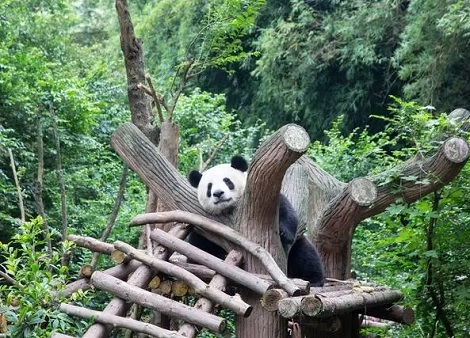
[229, 183]
[209, 188]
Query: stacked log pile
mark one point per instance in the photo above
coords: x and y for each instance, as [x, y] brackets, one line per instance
[174, 278]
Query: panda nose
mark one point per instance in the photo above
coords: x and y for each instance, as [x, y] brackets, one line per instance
[218, 193]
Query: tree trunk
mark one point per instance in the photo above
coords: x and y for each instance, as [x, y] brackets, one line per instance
[258, 220]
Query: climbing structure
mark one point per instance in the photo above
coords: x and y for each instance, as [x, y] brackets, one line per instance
[329, 210]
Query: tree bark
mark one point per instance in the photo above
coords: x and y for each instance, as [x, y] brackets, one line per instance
[200, 288]
[108, 319]
[257, 217]
[156, 302]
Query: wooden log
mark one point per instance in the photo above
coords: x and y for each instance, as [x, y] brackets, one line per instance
[120, 271]
[396, 313]
[228, 233]
[139, 278]
[118, 306]
[232, 272]
[85, 271]
[271, 298]
[303, 285]
[201, 288]
[179, 288]
[60, 335]
[118, 257]
[219, 282]
[319, 306]
[289, 307]
[155, 282]
[336, 302]
[156, 302]
[127, 323]
[165, 287]
[91, 243]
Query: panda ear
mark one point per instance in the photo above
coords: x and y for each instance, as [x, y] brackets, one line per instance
[194, 178]
[239, 163]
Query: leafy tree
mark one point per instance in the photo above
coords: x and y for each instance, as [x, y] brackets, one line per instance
[30, 302]
[316, 65]
[206, 126]
[419, 248]
[432, 57]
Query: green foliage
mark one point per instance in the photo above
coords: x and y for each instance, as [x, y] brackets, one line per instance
[316, 65]
[30, 305]
[393, 248]
[432, 58]
[204, 124]
[208, 34]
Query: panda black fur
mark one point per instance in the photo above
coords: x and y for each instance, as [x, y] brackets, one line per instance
[220, 188]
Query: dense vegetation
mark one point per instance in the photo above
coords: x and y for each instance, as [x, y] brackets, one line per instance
[327, 65]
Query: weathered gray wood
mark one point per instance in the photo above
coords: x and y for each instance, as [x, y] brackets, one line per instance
[219, 282]
[201, 288]
[128, 292]
[117, 321]
[257, 219]
[234, 273]
[222, 232]
[157, 172]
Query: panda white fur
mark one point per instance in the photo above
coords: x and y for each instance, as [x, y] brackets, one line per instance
[219, 190]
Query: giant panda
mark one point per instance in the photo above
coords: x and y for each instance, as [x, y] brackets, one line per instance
[219, 190]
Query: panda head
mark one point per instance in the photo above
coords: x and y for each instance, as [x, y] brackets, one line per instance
[219, 188]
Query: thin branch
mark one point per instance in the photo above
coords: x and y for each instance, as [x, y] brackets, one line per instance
[60, 178]
[114, 212]
[39, 182]
[7, 278]
[182, 85]
[18, 187]
[158, 100]
[212, 155]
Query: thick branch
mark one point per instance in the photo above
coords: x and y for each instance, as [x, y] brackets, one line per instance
[257, 218]
[198, 285]
[132, 51]
[331, 305]
[258, 212]
[224, 232]
[127, 323]
[345, 211]
[157, 172]
[234, 273]
[156, 302]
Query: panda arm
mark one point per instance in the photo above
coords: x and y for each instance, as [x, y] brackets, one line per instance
[288, 222]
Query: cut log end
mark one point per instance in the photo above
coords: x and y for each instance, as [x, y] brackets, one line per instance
[296, 138]
[363, 191]
[271, 298]
[456, 150]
